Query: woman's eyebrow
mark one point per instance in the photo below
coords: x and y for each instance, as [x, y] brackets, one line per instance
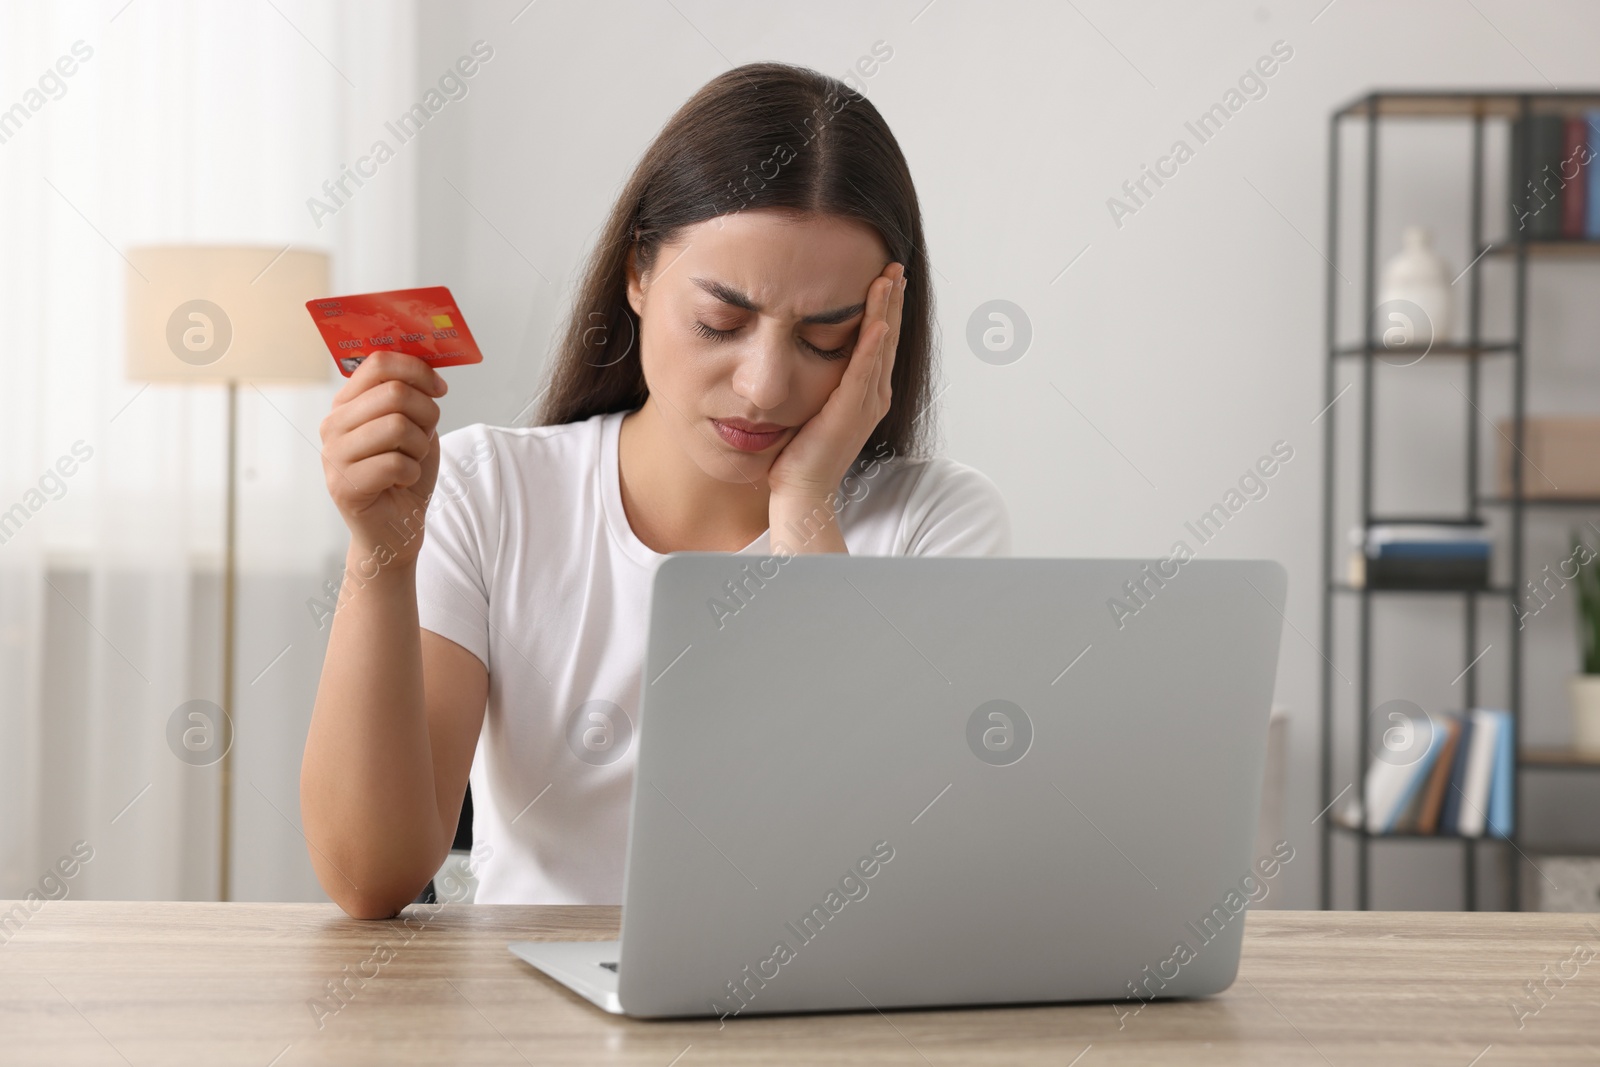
[729, 295]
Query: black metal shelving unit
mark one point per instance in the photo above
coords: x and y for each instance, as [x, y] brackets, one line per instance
[1477, 108]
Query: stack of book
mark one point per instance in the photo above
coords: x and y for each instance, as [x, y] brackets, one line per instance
[1558, 196]
[1425, 554]
[1460, 786]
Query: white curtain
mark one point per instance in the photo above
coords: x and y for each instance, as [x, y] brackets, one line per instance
[180, 122]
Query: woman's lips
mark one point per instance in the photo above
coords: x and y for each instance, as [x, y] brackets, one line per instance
[744, 440]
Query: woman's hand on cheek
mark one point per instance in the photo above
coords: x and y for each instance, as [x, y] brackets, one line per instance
[814, 462]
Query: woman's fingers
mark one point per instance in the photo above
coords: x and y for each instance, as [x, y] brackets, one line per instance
[892, 344]
[384, 366]
[389, 397]
[382, 429]
[377, 473]
[393, 432]
[888, 311]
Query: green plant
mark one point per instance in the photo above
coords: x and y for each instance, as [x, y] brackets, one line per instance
[1588, 607]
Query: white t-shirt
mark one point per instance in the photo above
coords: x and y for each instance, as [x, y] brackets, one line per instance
[529, 563]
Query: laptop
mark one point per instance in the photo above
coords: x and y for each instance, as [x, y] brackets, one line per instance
[891, 782]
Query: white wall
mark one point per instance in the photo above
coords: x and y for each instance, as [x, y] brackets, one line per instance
[1189, 338]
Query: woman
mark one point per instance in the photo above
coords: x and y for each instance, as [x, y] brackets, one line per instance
[747, 368]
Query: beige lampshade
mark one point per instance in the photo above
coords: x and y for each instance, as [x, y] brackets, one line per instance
[218, 313]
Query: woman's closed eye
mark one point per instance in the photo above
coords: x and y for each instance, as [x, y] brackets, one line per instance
[711, 333]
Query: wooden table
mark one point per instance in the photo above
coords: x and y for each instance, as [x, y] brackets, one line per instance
[85, 982]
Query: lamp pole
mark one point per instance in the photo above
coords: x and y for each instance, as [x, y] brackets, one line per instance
[229, 572]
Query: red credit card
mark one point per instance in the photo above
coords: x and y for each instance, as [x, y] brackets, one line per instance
[420, 322]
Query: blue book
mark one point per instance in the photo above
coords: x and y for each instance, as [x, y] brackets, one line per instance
[1433, 549]
[1592, 223]
[1500, 784]
[1458, 774]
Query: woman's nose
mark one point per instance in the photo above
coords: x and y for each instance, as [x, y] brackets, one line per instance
[762, 375]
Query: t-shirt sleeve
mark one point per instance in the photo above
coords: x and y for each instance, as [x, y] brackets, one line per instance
[452, 591]
[956, 510]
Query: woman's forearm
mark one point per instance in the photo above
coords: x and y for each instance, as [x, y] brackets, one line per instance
[367, 788]
[804, 526]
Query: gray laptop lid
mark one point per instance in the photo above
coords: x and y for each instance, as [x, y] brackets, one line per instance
[894, 781]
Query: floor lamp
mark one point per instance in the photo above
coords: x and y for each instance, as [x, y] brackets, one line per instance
[217, 314]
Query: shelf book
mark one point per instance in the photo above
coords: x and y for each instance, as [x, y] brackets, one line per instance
[1455, 782]
[1558, 197]
[1421, 554]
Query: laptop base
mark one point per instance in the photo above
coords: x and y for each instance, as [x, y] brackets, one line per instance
[578, 966]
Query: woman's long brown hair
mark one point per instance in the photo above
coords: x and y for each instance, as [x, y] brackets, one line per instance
[764, 135]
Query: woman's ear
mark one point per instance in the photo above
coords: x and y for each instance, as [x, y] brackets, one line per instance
[635, 285]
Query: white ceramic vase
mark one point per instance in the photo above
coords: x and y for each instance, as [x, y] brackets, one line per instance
[1414, 303]
[1585, 694]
